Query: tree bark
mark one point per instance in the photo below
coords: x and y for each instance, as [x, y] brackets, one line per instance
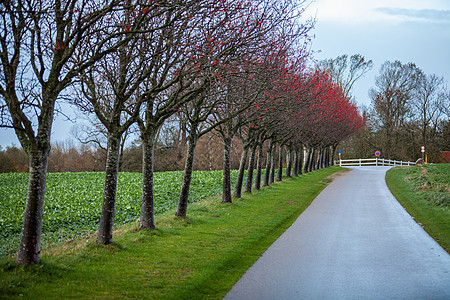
[188, 167]
[240, 178]
[300, 160]
[273, 161]
[147, 219]
[295, 166]
[268, 163]
[289, 159]
[312, 163]
[333, 151]
[105, 231]
[327, 157]
[259, 167]
[280, 164]
[30, 241]
[226, 195]
[308, 159]
[251, 167]
[319, 159]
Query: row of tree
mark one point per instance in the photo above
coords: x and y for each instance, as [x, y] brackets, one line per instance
[235, 68]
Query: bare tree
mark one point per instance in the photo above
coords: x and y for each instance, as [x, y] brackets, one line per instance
[111, 90]
[177, 76]
[346, 71]
[428, 102]
[392, 101]
[39, 41]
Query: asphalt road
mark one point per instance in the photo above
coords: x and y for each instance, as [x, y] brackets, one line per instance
[354, 241]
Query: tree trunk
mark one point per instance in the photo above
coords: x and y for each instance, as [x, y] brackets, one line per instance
[105, 230]
[273, 161]
[240, 178]
[308, 160]
[188, 167]
[147, 219]
[289, 159]
[300, 160]
[280, 164]
[268, 163]
[319, 159]
[251, 167]
[226, 195]
[30, 241]
[295, 166]
[333, 151]
[313, 160]
[259, 167]
[327, 157]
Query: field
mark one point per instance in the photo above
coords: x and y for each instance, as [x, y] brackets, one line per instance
[73, 201]
[424, 191]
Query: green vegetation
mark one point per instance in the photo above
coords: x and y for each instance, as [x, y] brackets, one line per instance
[73, 201]
[424, 191]
[197, 258]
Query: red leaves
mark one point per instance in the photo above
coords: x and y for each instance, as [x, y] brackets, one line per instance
[59, 46]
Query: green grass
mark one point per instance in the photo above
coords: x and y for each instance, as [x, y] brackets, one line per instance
[424, 192]
[200, 257]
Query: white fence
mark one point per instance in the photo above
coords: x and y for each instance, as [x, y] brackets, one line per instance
[374, 162]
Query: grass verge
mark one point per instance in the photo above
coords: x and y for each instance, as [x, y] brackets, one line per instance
[200, 257]
[421, 191]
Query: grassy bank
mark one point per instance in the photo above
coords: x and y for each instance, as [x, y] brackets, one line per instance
[200, 257]
[424, 192]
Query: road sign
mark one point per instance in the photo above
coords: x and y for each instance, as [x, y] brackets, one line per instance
[378, 153]
[339, 151]
[422, 148]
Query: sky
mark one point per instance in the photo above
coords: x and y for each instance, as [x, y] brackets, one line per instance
[415, 31]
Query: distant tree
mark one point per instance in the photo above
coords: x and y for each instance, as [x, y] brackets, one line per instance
[19, 157]
[392, 102]
[428, 102]
[345, 71]
[7, 165]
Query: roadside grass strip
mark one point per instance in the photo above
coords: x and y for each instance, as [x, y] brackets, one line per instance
[424, 192]
[200, 257]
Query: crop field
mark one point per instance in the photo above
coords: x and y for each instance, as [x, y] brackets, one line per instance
[73, 201]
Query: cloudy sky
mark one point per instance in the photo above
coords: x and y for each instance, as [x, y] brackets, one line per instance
[415, 31]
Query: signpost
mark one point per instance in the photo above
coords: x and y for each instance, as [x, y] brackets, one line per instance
[339, 152]
[377, 154]
[423, 152]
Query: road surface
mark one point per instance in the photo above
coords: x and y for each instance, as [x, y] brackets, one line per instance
[354, 241]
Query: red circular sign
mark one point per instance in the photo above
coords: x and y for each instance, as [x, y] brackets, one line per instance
[378, 153]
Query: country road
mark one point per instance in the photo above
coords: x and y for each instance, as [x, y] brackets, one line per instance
[354, 241]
